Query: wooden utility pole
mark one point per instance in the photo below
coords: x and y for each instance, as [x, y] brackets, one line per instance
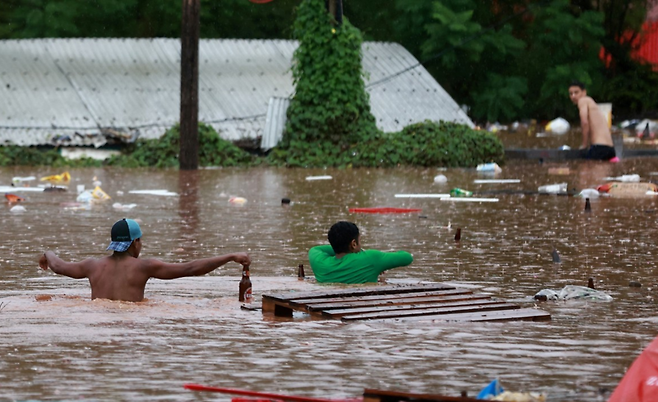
[335, 9]
[189, 86]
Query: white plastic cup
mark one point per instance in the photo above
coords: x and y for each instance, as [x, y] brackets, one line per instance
[81, 188]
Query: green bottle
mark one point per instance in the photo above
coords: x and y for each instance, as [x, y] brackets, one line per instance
[458, 192]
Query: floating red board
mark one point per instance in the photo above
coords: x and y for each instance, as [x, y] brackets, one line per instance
[383, 210]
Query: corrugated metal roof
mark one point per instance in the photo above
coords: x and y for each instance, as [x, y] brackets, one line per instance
[86, 91]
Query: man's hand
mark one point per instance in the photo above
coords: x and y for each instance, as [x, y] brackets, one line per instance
[43, 261]
[242, 258]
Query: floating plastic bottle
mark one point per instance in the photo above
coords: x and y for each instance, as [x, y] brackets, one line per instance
[559, 188]
[458, 192]
[489, 168]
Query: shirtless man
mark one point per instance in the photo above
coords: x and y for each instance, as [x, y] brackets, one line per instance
[122, 275]
[597, 141]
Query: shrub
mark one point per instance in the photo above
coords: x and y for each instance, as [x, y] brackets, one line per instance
[163, 152]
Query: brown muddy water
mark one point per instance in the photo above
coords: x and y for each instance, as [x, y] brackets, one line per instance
[57, 344]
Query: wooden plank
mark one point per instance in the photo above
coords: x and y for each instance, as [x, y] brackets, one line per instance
[363, 291]
[523, 314]
[390, 302]
[483, 307]
[373, 395]
[474, 299]
[382, 298]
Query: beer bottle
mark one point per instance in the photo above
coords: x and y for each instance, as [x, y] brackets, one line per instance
[245, 286]
[300, 272]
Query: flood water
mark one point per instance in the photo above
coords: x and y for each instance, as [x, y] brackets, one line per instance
[57, 344]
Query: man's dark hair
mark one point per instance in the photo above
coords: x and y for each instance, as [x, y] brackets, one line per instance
[341, 235]
[576, 83]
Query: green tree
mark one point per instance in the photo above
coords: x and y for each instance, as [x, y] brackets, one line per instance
[564, 45]
[330, 110]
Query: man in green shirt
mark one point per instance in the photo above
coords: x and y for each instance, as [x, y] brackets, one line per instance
[343, 261]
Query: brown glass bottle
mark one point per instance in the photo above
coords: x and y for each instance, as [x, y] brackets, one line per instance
[245, 286]
[300, 272]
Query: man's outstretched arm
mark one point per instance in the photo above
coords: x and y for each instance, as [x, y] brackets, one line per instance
[75, 270]
[164, 270]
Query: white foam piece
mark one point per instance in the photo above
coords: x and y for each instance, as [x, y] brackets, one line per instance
[470, 199]
[422, 195]
[319, 178]
[153, 192]
[11, 189]
[486, 181]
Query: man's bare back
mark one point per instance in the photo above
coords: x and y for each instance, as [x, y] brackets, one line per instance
[593, 120]
[123, 276]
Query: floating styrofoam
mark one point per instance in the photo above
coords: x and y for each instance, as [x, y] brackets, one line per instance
[319, 178]
[153, 192]
[422, 195]
[11, 189]
[470, 199]
[483, 181]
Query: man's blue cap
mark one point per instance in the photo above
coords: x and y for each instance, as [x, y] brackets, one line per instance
[123, 234]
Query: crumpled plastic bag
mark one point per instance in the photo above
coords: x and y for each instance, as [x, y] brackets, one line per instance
[520, 397]
[573, 292]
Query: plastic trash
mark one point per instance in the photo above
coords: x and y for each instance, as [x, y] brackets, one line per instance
[123, 207]
[85, 197]
[547, 294]
[99, 194]
[558, 126]
[18, 180]
[57, 178]
[237, 201]
[589, 193]
[573, 292]
[151, 192]
[564, 148]
[646, 129]
[12, 198]
[559, 188]
[495, 127]
[440, 179]
[458, 192]
[493, 389]
[17, 209]
[627, 178]
[319, 178]
[520, 397]
[489, 167]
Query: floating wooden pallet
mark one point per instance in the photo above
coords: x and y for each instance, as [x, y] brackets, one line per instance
[439, 302]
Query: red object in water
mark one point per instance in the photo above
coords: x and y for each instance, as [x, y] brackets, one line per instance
[640, 383]
[383, 210]
[265, 395]
[13, 198]
[260, 1]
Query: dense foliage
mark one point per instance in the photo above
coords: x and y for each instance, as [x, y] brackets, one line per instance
[432, 144]
[163, 152]
[330, 109]
[27, 156]
[329, 121]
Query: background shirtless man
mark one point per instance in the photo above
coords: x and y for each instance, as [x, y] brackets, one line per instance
[597, 141]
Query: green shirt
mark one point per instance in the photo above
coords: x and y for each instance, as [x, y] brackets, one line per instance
[362, 267]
